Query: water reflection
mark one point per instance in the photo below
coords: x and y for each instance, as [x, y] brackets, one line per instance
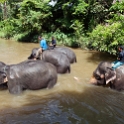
[69, 102]
[67, 108]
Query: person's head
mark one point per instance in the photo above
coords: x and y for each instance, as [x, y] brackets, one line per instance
[120, 48]
[52, 38]
[39, 37]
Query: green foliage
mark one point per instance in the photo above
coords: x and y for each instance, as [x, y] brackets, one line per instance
[116, 12]
[37, 14]
[77, 26]
[107, 38]
[72, 16]
[80, 9]
[68, 20]
[98, 12]
[7, 28]
[2, 1]
[63, 39]
[23, 37]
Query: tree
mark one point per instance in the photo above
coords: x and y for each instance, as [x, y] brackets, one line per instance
[98, 11]
[107, 37]
[69, 15]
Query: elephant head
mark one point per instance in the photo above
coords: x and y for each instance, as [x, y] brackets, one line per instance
[103, 74]
[35, 54]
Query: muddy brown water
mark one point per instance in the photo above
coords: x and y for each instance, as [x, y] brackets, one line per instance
[69, 102]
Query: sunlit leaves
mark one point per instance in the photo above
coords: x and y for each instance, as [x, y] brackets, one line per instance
[107, 38]
[117, 11]
[34, 14]
[81, 8]
[2, 1]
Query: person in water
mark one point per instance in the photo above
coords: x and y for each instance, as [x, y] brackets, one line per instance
[120, 58]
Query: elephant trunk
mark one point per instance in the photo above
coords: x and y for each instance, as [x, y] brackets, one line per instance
[37, 54]
[93, 80]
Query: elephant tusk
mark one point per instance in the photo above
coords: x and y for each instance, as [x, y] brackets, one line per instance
[111, 79]
[5, 80]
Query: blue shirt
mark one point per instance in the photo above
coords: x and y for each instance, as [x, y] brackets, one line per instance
[43, 44]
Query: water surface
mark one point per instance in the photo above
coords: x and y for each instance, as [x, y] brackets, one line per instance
[69, 102]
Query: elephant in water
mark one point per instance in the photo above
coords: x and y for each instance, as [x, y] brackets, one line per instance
[104, 75]
[4, 85]
[68, 52]
[58, 59]
[28, 74]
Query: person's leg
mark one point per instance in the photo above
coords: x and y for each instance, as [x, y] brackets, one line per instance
[117, 64]
[114, 63]
[39, 51]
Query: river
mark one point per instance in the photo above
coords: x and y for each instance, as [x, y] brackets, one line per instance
[69, 101]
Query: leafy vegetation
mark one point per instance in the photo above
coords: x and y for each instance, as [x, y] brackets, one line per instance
[95, 24]
[107, 37]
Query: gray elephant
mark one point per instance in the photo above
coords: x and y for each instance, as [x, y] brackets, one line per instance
[58, 59]
[3, 86]
[28, 74]
[104, 75]
[68, 52]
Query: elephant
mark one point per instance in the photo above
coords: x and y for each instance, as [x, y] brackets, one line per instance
[3, 86]
[58, 59]
[68, 52]
[104, 75]
[29, 74]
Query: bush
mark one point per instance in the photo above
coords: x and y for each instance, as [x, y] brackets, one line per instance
[106, 38]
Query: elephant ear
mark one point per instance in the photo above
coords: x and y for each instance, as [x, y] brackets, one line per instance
[110, 75]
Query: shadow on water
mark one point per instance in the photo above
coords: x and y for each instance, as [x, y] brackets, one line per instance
[96, 57]
[93, 105]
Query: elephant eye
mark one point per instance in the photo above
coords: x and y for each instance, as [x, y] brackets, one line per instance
[4, 75]
[98, 77]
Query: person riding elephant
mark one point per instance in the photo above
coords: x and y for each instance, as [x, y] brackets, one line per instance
[58, 59]
[120, 58]
[30, 74]
[53, 43]
[68, 52]
[104, 75]
[43, 44]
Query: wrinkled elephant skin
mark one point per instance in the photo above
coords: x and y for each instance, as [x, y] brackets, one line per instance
[58, 59]
[104, 75]
[68, 52]
[30, 74]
